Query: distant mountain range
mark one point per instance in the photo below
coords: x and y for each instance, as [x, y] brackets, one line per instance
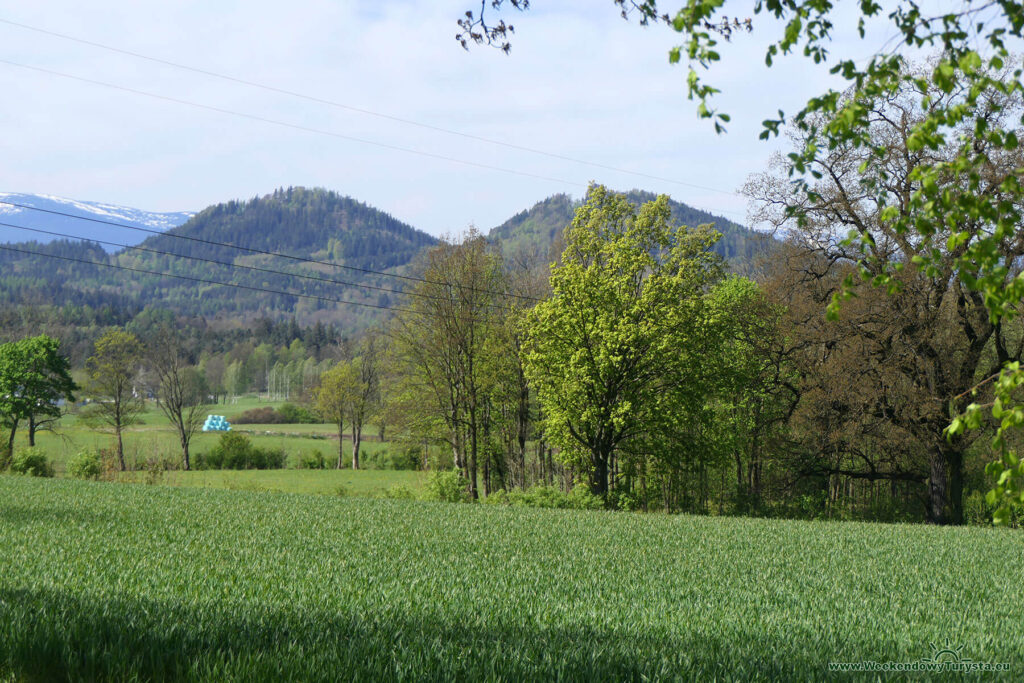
[307, 223]
[49, 217]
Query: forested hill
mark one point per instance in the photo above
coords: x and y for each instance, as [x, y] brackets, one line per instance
[301, 222]
[537, 228]
[307, 223]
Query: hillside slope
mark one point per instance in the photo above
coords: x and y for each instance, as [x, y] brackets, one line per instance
[306, 223]
[537, 228]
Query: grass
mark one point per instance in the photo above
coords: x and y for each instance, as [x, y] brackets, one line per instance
[130, 582]
[363, 483]
[156, 438]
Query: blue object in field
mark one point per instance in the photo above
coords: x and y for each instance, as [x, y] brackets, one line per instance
[216, 423]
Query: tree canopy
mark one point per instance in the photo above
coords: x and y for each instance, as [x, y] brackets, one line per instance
[34, 378]
[614, 354]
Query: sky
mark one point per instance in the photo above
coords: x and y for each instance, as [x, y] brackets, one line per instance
[580, 82]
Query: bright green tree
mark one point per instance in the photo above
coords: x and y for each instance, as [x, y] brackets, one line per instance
[34, 379]
[349, 392]
[615, 353]
[332, 402]
[113, 372]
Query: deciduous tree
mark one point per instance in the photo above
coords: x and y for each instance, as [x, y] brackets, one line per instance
[180, 388]
[332, 402]
[113, 379]
[615, 353]
[441, 341]
[34, 379]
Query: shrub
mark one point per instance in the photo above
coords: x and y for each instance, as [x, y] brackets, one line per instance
[155, 466]
[273, 458]
[580, 498]
[448, 486]
[314, 460]
[86, 464]
[387, 459]
[258, 416]
[289, 413]
[539, 497]
[978, 511]
[31, 461]
[498, 497]
[400, 492]
[234, 451]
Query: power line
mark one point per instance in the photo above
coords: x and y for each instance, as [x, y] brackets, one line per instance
[285, 124]
[227, 263]
[317, 131]
[205, 281]
[253, 250]
[361, 110]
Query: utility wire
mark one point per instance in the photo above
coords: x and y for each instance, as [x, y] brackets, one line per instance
[285, 124]
[205, 281]
[317, 131]
[361, 110]
[228, 264]
[254, 250]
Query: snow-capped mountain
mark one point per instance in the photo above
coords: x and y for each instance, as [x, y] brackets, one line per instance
[56, 215]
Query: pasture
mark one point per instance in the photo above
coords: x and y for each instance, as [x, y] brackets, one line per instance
[155, 438]
[133, 582]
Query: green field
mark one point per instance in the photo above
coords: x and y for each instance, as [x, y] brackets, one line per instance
[364, 483]
[156, 438]
[133, 582]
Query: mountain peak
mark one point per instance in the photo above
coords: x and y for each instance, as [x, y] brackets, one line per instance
[49, 217]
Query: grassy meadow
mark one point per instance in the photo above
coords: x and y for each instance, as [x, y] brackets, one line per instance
[155, 438]
[131, 582]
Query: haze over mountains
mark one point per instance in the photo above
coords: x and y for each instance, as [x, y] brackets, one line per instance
[346, 236]
[50, 218]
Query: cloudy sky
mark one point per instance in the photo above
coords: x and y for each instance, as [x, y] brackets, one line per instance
[580, 82]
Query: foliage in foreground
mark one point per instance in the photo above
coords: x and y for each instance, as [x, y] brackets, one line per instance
[103, 581]
[87, 464]
[32, 462]
[236, 452]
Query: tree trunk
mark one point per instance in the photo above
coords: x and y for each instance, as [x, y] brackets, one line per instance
[523, 427]
[8, 454]
[946, 486]
[356, 438]
[473, 492]
[487, 476]
[341, 444]
[120, 449]
[184, 452]
[31, 431]
[599, 474]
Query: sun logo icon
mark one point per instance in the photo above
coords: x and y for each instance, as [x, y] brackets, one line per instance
[947, 654]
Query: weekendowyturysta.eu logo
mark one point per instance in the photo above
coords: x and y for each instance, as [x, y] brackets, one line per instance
[945, 658]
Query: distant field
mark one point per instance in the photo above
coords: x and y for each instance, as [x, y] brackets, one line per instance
[133, 582]
[156, 438]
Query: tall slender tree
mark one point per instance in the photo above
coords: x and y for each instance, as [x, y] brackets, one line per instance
[331, 398]
[180, 388]
[441, 340]
[113, 380]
